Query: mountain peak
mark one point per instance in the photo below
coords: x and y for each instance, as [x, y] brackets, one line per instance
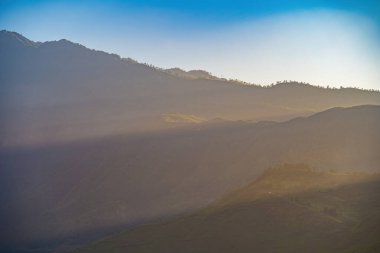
[14, 39]
[63, 43]
[191, 74]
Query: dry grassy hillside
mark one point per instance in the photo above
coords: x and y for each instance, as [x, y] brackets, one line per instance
[288, 209]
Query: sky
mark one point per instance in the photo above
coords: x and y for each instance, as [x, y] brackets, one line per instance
[335, 42]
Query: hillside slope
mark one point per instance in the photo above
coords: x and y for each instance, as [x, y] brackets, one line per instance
[82, 190]
[288, 209]
[59, 91]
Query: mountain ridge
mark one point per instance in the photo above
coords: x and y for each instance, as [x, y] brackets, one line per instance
[61, 91]
[176, 71]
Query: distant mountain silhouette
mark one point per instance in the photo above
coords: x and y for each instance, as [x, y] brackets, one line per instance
[60, 91]
[68, 193]
[192, 74]
[288, 209]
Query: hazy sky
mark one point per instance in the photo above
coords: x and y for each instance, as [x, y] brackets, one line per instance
[335, 42]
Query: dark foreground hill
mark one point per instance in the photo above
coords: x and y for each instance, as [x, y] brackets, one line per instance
[59, 91]
[68, 193]
[287, 209]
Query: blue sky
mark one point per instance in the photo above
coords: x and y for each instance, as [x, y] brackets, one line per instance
[332, 42]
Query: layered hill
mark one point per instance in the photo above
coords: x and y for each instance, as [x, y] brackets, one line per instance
[288, 209]
[69, 193]
[60, 91]
[192, 74]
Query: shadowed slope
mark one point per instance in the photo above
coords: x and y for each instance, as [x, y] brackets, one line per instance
[288, 209]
